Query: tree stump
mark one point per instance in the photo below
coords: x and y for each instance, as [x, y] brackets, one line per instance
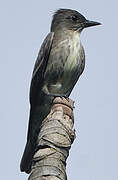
[54, 142]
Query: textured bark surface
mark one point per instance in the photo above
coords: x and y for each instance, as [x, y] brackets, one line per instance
[54, 142]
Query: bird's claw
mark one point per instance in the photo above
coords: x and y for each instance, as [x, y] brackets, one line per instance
[59, 95]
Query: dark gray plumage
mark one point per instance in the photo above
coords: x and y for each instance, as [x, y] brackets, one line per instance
[59, 64]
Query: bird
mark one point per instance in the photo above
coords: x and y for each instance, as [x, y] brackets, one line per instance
[60, 63]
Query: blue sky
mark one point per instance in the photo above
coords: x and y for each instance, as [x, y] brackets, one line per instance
[23, 26]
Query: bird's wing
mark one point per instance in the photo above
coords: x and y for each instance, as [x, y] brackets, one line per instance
[40, 66]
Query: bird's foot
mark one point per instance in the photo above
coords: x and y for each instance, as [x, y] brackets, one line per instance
[59, 95]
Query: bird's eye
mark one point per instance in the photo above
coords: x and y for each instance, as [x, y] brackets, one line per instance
[74, 18]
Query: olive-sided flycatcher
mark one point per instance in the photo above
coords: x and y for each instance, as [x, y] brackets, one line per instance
[59, 64]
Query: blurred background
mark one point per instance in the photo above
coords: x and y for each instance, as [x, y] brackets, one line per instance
[23, 26]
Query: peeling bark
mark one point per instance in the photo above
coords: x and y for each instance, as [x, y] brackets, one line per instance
[54, 142]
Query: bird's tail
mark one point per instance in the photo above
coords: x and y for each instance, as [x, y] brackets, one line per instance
[26, 161]
[37, 114]
[35, 120]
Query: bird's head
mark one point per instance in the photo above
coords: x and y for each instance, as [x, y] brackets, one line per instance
[70, 20]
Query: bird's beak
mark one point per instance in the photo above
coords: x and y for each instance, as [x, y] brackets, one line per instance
[88, 23]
